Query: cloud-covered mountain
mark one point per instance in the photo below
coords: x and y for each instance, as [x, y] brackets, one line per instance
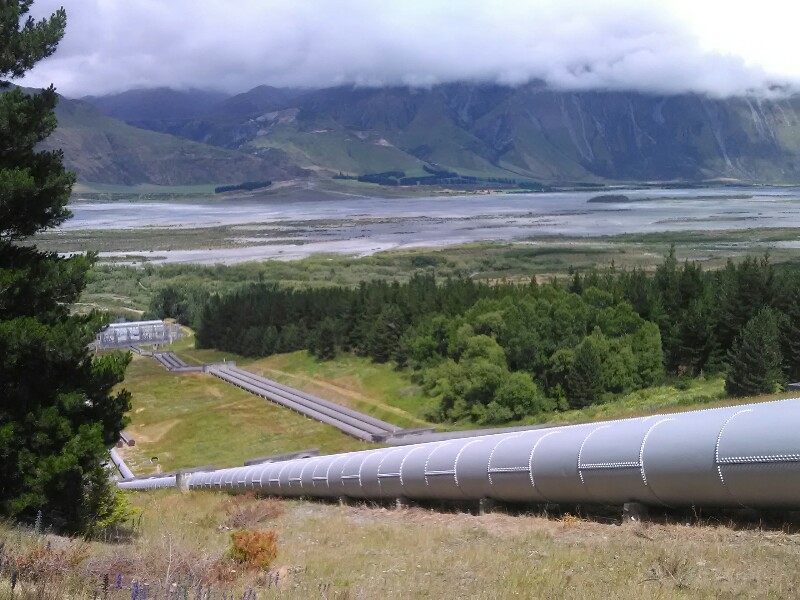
[660, 46]
[527, 131]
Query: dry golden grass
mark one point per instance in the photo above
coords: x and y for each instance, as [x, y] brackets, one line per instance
[367, 551]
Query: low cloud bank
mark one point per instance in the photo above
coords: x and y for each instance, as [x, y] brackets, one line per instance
[664, 46]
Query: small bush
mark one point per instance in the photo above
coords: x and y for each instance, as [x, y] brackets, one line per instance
[117, 517]
[255, 548]
[247, 511]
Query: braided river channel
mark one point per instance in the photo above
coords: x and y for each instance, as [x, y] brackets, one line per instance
[295, 226]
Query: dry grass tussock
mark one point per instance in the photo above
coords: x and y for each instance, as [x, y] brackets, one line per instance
[242, 512]
[370, 551]
[180, 550]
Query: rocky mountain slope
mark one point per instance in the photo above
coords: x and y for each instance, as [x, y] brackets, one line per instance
[522, 132]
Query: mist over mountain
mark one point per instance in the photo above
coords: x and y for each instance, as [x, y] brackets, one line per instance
[716, 48]
[147, 107]
[527, 131]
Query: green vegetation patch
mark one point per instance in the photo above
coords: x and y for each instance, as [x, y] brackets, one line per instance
[86, 190]
[376, 389]
[159, 239]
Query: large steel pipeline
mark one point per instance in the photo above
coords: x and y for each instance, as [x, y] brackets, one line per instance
[742, 456]
[172, 362]
[148, 483]
[120, 464]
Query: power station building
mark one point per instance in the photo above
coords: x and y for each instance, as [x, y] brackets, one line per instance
[120, 335]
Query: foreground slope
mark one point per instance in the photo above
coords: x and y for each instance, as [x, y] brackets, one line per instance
[331, 551]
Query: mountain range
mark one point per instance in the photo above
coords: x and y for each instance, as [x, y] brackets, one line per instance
[528, 132]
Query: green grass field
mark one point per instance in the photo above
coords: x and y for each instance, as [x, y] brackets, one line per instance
[85, 187]
[144, 241]
[196, 419]
[357, 382]
[192, 419]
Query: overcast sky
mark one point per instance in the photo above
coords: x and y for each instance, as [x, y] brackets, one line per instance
[665, 46]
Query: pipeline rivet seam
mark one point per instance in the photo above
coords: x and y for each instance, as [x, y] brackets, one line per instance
[403, 462]
[380, 466]
[455, 461]
[361, 467]
[328, 472]
[719, 440]
[530, 457]
[495, 470]
[428, 460]
[491, 455]
[768, 458]
[642, 445]
[307, 463]
[583, 443]
[610, 465]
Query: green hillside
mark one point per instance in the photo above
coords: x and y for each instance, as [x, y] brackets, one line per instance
[104, 150]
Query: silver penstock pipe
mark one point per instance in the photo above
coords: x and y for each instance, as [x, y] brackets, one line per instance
[148, 483]
[743, 456]
[120, 464]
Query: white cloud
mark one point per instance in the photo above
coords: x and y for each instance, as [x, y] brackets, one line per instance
[664, 46]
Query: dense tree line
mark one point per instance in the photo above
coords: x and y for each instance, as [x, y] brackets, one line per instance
[710, 321]
[532, 350]
[180, 302]
[496, 353]
[260, 319]
[247, 186]
[441, 177]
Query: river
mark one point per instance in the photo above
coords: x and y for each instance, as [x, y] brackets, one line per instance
[363, 225]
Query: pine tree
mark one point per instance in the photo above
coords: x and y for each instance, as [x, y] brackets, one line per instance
[384, 336]
[790, 341]
[325, 340]
[755, 358]
[58, 414]
[585, 377]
